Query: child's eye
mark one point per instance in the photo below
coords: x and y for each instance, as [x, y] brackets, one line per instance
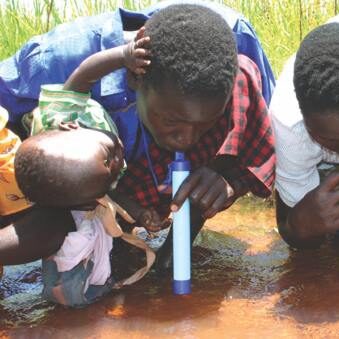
[107, 163]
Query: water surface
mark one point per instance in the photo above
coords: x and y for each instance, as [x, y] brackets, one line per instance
[246, 283]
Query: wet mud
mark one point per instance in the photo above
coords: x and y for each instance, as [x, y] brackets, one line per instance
[246, 283]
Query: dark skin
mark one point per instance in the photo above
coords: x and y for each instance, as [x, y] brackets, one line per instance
[176, 122]
[19, 246]
[21, 232]
[106, 162]
[317, 214]
[90, 155]
[48, 225]
[133, 56]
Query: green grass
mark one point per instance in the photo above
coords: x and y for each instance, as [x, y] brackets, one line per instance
[280, 24]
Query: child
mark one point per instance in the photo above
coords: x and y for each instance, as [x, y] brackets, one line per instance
[75, 169]
[77, 177]
[71, 102]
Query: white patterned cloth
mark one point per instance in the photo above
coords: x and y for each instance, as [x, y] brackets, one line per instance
[89, 242]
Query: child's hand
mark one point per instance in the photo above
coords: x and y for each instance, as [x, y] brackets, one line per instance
[135, 53]
[150, 220]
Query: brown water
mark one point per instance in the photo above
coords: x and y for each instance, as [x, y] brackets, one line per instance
[246, 284]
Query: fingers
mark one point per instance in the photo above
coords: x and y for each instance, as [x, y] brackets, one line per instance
[143, 42]
[140, 65]
[140, 33]
[158, 227]
[142, 53]
[136, 54]
[219, 204]
[68, 126]
[151, 220]
[206, 189]
[184, 191]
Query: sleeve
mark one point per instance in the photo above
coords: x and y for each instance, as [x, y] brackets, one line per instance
[57, 105]
[297, 159]
[51, 58]
[297, 154]
[242, 175]
[250, 137]
[248, 44]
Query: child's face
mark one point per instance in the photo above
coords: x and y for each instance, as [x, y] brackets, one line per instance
[108, 160]
[324, 129]
[177, 122]
[84, 162]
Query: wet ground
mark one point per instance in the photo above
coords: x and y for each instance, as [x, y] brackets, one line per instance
[246, 284]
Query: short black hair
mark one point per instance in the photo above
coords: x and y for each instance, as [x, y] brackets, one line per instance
[55, 179]
[192, 48]
[316, 70]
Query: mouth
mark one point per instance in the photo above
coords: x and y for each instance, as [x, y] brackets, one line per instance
[173, 147]
[179, 148]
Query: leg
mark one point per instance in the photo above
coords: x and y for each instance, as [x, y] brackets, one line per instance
[164, 254]
[35, 233]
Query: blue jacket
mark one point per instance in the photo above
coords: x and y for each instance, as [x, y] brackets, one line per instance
[52, 57]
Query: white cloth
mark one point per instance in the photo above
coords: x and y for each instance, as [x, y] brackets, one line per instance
[89, 242]
[297, 154]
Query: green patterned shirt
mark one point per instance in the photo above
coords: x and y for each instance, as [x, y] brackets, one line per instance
[57, 105]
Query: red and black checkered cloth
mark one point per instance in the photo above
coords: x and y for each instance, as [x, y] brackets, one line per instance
[244, 132]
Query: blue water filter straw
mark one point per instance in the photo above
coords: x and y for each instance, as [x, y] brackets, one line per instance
[181, 230]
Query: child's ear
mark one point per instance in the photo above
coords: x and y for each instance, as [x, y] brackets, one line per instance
[134, 81]
[68, 126]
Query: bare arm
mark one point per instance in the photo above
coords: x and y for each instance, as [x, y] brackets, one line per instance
[296, 228]
[145, 217]
[96, 66]
[33, 234]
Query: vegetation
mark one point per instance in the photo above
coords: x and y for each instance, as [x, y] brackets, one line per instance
[280, 24]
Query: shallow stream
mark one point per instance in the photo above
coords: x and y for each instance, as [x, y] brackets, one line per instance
[246, 284]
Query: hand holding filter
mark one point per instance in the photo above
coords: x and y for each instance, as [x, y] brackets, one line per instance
[181, 230]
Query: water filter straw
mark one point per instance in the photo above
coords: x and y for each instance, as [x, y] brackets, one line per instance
[181, 230]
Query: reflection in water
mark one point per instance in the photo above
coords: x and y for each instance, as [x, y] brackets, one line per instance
[246, 283]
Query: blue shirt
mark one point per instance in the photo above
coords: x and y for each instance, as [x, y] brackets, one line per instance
[52, 57]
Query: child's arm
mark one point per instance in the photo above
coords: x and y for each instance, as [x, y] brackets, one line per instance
[132, 56]
[145, 217]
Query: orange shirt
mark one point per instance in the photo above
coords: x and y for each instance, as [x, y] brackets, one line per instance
[11, 198]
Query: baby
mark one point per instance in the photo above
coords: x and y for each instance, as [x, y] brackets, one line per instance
[74, 168]
[73, 160]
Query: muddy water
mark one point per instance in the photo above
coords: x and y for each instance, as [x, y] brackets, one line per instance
[246, 284]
